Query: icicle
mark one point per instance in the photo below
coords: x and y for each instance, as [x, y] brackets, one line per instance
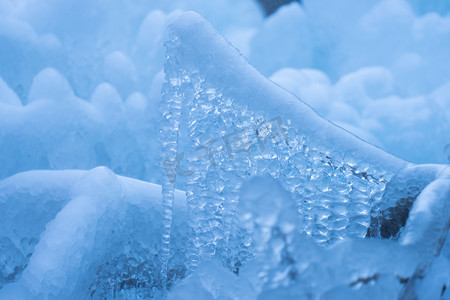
[169, 128]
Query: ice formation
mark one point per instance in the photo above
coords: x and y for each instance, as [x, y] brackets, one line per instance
[276, 202]
[70, 242]
[237, 124]
[240, 124]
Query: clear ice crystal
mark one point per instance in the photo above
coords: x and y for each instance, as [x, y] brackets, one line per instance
[233, 126]
[169, 127]
[268, 213]
[227, 143]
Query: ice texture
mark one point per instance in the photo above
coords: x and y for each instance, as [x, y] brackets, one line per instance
[171, 106]
[237, 124]
[268, 214]
[277, 202]
[212, 281]
[34, 200]
[84, 234]
[428, 226]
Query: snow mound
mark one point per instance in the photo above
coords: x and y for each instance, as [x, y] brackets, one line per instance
[84, 234]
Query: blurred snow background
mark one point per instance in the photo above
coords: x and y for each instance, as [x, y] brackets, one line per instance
[80, 80]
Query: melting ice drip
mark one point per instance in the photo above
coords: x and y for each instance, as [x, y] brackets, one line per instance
[224, 143]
